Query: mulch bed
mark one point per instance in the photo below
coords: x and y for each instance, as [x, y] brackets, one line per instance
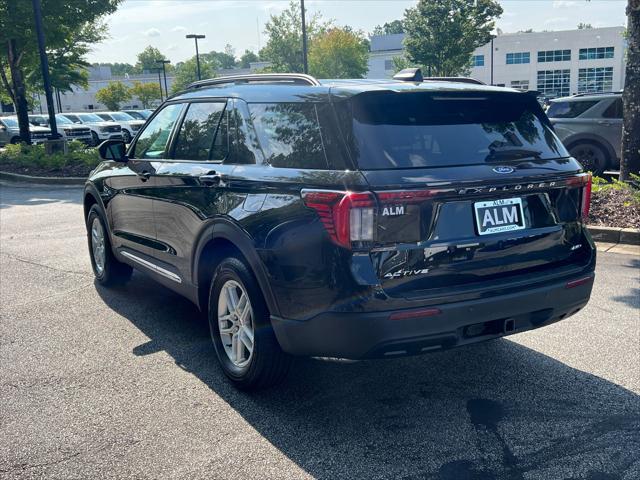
[608, 209]
[67, 171]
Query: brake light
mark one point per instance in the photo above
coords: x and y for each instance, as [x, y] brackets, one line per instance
[583, 180]
[346, 216]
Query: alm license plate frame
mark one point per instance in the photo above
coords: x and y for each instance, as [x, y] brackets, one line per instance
[497, 212]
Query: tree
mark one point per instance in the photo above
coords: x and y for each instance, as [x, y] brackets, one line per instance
[247, 58]
[284, 47]
[146, 92]
[390, 28]
[631, 96]
[224, 59]
[339, 53]
[113, 95]
[442, 34]
[66, 22]
[118, 69]
[187, 72]
[148, 60]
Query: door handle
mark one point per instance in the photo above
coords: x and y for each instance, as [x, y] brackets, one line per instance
[605, 123]
[212, 179]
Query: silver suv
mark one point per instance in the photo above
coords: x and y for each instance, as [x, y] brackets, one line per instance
[10, 132]
[590, 126]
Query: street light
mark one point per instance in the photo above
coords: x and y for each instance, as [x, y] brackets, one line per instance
[160, 82]
[196, 37]
[305, 66]
[164, 73]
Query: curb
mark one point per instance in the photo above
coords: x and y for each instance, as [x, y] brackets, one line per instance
[19, 178]
[629, 236]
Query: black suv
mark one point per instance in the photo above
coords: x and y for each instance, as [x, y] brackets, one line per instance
[347, 219]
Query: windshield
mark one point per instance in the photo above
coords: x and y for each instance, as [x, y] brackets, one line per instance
[72, 118]
[10, 122]
[63, 120]
[386, 130]
[90, 117]
[138, 115]
[122, 117]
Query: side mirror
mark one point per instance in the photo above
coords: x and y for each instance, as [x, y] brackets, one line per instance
[114, 150]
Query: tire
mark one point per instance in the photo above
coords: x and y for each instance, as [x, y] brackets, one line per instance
[95, 139]
[266, 364]
[126, 136]
[593, 157]
[106, 268]
[15, 140]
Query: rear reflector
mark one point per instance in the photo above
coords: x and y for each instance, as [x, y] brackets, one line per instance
[426, 312]
[577, 283]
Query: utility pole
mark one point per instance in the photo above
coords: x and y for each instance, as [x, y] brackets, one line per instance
[305, 66]
[196, 37]
[44, 65]
[492, 59]
[160, 83]
[164, 73]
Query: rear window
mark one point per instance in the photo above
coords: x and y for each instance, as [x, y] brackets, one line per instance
[387, 130]
[569, 109]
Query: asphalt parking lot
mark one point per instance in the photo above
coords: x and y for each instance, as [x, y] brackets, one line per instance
[122, 383]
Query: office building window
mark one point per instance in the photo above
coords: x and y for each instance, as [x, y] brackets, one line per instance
[554, 56]
[388, 65]
[554, 83]
[595, 79]
[519, 57]
[596, 53]
[520, 84]
[477, 61]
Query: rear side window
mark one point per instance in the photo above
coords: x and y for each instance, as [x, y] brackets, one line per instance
[614, 110]
[388, 130]
[153, 141]
[195, 139]
[569, 109]
[289, 134]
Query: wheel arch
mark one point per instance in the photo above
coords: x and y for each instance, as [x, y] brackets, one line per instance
[218, 241]
[574, 140]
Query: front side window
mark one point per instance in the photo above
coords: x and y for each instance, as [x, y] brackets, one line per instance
[569, 109]
[153, 141]
[289, 134]
[195, 139]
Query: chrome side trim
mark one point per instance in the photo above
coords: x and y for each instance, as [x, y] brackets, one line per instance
[153, 267]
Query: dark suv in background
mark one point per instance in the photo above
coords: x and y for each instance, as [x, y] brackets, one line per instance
[352, 219]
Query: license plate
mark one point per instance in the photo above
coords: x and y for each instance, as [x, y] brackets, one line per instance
[499, 216]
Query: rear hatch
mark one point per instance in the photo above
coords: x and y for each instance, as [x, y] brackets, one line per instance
[467, 190]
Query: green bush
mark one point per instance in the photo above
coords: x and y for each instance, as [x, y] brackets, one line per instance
[34, 156]
[602, 187]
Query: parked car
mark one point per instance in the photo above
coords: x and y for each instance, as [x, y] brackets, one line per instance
[139, 114]
[129, 125]
[100, 129]
[590, 126]
[66, 129]
[10, 132]
[346, 219]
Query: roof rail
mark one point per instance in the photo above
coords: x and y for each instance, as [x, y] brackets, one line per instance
[295, 78]
[455, 80]
[588, 94]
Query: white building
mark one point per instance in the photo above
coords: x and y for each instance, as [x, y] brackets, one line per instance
[554, 63]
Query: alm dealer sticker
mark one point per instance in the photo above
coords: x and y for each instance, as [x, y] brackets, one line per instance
[499, 216]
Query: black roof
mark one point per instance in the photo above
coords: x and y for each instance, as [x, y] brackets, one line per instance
[257, 88]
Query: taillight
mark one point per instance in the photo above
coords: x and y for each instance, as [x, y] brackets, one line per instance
[347, 216]
[583, 180]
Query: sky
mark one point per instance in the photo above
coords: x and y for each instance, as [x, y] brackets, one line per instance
[164, 23]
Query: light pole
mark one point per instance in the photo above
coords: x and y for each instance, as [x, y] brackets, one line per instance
[164, 73]
[196, 37]
[44, 65]
[160, 83]
[305, 66]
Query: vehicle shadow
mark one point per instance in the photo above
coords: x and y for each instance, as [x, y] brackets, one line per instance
[497, 410]
[12, 195]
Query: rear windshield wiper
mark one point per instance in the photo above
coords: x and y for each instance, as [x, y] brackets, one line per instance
[502, 153]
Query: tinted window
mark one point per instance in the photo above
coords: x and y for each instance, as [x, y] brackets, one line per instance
[569, 109]
[152, 142]
[614, 110]
[90, 117]
[387, 130]
[289, 134]
[198, 130]
[122, 117]
[73, 118]
[106, 117]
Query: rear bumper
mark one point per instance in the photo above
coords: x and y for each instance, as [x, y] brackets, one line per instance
[375, 335]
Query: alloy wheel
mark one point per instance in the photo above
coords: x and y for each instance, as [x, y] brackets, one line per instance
[97, 245]
[235, 323]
